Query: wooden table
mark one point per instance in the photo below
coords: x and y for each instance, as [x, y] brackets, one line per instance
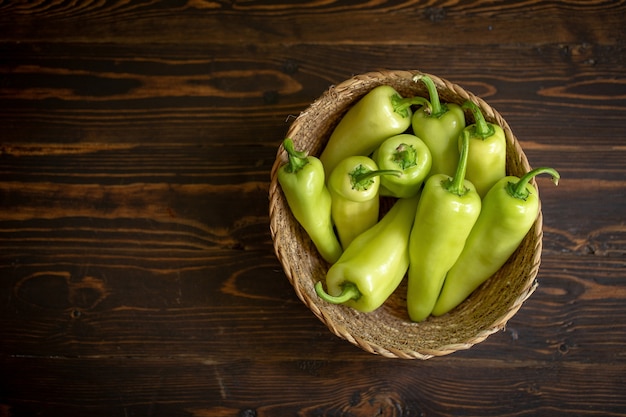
[137, 273]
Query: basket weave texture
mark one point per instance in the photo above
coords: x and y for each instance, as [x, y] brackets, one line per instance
[388, 330]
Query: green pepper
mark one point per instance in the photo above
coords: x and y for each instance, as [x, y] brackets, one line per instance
[509, 210]
[353, 187]
[303, 183]
[407, 154]
[379, 114]
[487, 157]
[447, 210]
[439, 126]
[373, 266]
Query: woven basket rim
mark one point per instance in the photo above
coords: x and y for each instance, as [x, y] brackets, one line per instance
[299, 258]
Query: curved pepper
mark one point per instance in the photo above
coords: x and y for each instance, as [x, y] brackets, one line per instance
[373, 266]
[447, 210]
[509, 210]
[353, 187]
[407, 154]
[486, 162]
[439, 126]
[302, 182]
[379, 114]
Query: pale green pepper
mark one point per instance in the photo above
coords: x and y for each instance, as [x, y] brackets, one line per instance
[353, 187]
[373, 266]
[303, 183]
[486, 163]
[508, 212]
[439, 126]
[379, 114]
[407, 154]
[447, 211]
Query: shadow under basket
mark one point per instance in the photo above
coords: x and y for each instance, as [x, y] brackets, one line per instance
[388, 330]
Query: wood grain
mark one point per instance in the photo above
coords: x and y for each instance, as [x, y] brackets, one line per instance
[206, 388]
[317, 22]
[79, 237]
[110, 95]
[137, 273]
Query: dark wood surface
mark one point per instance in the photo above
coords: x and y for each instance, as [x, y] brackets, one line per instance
[137, 274]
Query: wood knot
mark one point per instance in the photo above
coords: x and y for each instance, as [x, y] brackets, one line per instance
[59, 290]
[435, 14]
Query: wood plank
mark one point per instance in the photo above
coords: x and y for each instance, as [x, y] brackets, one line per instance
[390, 23]
[197, 91]
[264, 386]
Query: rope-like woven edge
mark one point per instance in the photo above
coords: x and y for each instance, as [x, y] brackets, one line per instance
[301, 262]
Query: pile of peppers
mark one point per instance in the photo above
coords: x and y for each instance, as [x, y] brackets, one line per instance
[456, 216]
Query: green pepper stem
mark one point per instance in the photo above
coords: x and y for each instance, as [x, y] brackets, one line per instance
[436, 108]
[297, 159]
[349, 291]
[481, 128]
[455, 185]
[518, 189]
[361, 177]
[400, 105]
[405, 156]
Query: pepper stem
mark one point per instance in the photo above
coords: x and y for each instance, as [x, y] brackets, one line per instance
[401, 105]
[361, 177]
[518, 189]
[481, 128]
[405, 156]
[455, 185]
[436, 108]
[297, 159]
[349, 291]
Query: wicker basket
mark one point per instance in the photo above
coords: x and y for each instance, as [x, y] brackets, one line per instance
[388, 330]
